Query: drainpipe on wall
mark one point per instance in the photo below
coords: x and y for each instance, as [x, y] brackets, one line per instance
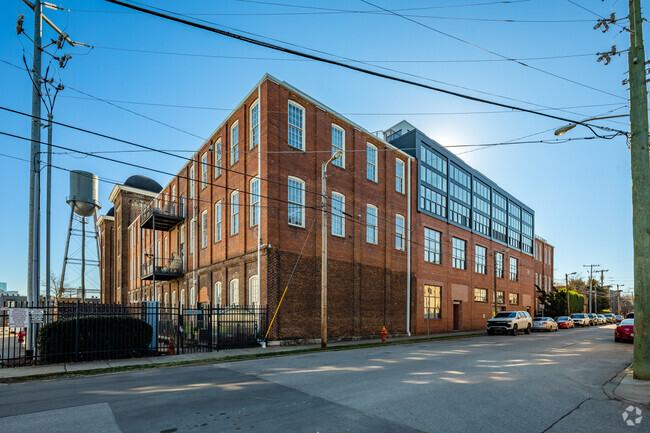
[408, 251]
[259, 182]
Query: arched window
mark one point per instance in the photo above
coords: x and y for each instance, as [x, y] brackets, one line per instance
[192, 302]
[234, 292]
[254, 291]
[183, 298]
[216, 299]
[174, 302]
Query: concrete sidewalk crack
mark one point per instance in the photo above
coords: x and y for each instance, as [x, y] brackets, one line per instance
[567, 414]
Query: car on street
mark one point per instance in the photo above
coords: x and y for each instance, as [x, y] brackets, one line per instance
[624, 331]
[511, 322]
[593, 319]
[565, 322]
[581, 319]
[602, 320]
[610, 318]
[544, 324]
[630, 315]
[619, 318]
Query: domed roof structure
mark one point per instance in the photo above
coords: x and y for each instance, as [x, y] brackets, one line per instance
[111, 212]
[143, 182]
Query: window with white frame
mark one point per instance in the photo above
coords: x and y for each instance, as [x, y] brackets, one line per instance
[296, 206]
[204, 170]
[192, 302]
[234, 291]
[253, 291]
[399, 232]
[174, 198]
[234, 143]
[217, 221]
[216, 297]
[371, 224]
[399, 176]
[174, 301]
[166, 303]
[459, 253]
[255, 125]
[204, 229]
[217, 159]
[165, 252]
[234, 212]
[338, 218]
[192, 224]
[338, 143]
[296, 126]
[254, 202]
[192, 192]
[432, 246]
[514, 272]
[182, 300]
[371, 162]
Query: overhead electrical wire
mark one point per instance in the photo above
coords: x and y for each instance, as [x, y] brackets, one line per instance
[355, 68]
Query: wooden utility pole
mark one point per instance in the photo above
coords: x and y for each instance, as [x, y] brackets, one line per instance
[640, 192]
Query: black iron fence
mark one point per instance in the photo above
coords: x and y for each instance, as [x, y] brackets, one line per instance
[75, 332]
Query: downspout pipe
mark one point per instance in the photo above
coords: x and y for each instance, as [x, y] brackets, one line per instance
[408, 250]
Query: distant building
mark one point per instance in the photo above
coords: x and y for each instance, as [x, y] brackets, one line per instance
[544, 257]
[3, 287]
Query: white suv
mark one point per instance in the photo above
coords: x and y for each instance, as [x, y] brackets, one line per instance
[510, 321]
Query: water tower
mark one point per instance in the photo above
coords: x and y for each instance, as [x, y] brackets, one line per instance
[84, 204]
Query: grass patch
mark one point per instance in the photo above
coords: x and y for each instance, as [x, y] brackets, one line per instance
[232, 358]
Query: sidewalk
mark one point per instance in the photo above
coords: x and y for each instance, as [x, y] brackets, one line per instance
[44, 370]
[633, 390]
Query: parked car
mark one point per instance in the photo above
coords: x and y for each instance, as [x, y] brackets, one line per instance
[602, 320]
[581, 319]
[593, 319]
[624, 331]
[619, 318]
[610, 318]
[510, 321]
[544, 324]
[630, 315]
[565, 322]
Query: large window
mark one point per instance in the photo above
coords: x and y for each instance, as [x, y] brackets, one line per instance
[234, 212]
[481, 223]
[499, 264]
[254, 202]
[338, 218]
[338, 143]
[371, 224]
[296, 126]
[192, 231]
[399, 176]
[216, 298]
[513, 298]
[253, 291]
[480, 295]
[431, 246]
[501, 297]
[371, 162]
[433, 202]
[217, 221]
[296, 207]
[514, 272]
[217, 159]
[458, 254]
[433, 159]
[204, 229]
[204, 170]
[480, 259]
[255, 125]
[234, 292]
[234, 143]
[433, 178]
[432, 302]
[399, 232]
[192, 192]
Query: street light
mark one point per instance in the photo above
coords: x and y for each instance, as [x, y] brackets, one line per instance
[323, 281]
[494, 255]
[570, 126]
[568, 306]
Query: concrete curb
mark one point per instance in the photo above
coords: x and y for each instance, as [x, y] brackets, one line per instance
[632, 390]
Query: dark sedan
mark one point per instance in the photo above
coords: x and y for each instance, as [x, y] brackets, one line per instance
[624, 331]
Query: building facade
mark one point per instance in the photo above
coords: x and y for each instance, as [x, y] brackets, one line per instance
[544, 256]
[240, 224]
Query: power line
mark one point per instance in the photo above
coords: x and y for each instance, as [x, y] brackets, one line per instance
[402, 9]
[351, 67]
[495, 53]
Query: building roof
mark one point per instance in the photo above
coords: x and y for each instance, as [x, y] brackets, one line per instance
[143, 182]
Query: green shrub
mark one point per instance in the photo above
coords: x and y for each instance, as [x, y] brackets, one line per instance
[99, 337]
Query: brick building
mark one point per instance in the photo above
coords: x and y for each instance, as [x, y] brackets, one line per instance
[544, 256]
[243, 215]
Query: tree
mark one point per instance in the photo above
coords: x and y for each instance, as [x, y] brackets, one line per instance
[57, 290]
[555, 302]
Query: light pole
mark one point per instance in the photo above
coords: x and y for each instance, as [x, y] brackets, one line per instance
[570, 126]
[568, 306]
[618, 299]
[494, 255]
[323, 278]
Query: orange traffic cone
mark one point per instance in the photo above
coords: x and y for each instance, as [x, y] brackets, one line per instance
[170, 348]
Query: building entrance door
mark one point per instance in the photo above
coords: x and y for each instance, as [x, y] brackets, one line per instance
[457, 315]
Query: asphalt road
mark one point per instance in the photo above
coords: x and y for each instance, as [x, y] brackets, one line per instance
[529, 383]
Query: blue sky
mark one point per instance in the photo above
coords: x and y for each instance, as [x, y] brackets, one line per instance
[580, 190]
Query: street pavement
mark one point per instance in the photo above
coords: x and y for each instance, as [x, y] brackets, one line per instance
[558, 382]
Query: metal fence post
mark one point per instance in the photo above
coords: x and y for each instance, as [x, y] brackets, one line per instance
[76, 333]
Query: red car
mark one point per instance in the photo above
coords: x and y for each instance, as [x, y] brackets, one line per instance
[565, 322]
[624, 331]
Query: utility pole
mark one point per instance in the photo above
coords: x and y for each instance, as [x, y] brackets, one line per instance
[591, 277]
[618, 299]
[602, 287]
[640, 191]
[568, 305]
